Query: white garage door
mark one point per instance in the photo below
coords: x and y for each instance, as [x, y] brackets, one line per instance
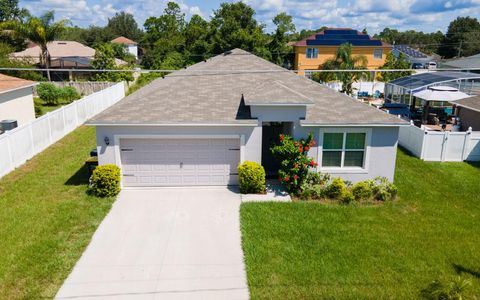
[179, 162]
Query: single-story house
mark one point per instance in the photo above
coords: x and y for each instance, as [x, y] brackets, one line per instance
[468, 110]
[194, 126]
[63, 55]
[129, 45]
[16, 99]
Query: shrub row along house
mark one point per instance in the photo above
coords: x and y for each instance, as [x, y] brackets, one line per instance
[196, 125]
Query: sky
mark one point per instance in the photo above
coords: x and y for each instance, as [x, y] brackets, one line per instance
[421, 15]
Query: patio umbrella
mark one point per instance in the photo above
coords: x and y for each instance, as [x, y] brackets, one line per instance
[441, 93]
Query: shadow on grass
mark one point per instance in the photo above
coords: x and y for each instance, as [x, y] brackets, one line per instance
[475, 164]
[80, 177]
[464, 270]
[406, 151]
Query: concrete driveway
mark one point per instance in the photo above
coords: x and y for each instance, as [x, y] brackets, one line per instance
[165, 243]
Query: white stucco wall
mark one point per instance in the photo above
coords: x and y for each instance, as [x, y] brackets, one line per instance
[106, 154]
[17, 105]
[132, 49]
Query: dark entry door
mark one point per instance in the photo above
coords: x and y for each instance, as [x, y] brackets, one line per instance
[270, 137]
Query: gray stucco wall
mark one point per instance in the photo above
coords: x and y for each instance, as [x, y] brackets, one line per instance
[469, 118]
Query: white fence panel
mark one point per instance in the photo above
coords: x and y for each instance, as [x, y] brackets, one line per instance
[24, 142]
[455, 146]
[411, 138]
[473, 152]
[433, 149]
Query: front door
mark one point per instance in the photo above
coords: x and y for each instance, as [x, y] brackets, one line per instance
[270, 137]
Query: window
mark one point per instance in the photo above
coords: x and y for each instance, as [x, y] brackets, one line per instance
[344, 149]
[378, 53]
[312, 53]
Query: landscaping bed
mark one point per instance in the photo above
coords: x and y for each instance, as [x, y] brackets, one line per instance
[46, 218]
[312, 250]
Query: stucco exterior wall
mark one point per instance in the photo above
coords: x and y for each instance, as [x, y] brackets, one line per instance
[17, 105]
[380, 159]
[469, 118]
[328, 52]
[106, 154]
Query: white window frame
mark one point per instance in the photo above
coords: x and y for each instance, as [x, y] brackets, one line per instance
[374, 52]
[314, 48]
[342, 169]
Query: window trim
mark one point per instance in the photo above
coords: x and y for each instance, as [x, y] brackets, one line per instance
[366, 156]
[306, 53]
[377, 49]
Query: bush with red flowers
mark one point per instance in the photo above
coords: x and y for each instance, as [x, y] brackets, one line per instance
[295, 162]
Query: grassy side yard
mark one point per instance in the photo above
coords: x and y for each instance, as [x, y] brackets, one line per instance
[312, 251]
[46, 218]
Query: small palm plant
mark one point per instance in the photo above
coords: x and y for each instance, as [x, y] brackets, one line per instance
[455, 289]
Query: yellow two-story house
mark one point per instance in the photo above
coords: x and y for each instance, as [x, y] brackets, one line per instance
[313, 51]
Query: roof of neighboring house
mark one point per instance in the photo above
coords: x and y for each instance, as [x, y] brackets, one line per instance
[220, 90]
[123, 40]
[472, 103]
[469, 62]
[60, 50]
[9, 83]
[338, 36]
[422, 80]
[410, 51]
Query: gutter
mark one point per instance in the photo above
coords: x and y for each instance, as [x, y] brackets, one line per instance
[19, 88]
[176, 125]
[353, 125]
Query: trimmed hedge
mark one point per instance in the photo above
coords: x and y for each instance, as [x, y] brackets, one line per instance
[251, 176]
[105, 181]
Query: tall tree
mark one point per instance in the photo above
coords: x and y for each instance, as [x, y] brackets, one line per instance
[426, 42]
[234, 26]
[40, 31]
[279, 48]
[462, 38]
[123, 24]
[9, 10]
[343, 60]
[197, 39]
[395, 63]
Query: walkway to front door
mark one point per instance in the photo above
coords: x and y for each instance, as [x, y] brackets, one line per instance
[164, 243]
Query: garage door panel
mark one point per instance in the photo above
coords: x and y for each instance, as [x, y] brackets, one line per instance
[176, 162]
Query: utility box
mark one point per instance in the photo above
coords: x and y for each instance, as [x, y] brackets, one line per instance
[6, 125]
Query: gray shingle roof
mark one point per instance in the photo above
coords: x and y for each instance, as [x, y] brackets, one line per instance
[472, 103]
[216, 92]
[470, 62]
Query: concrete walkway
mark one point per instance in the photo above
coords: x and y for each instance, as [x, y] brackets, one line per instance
[165, 243]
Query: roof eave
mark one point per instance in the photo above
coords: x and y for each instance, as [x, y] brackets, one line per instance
[250, 124]
[304, 124]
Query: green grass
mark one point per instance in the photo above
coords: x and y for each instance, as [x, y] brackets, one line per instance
[46, 218]
[312, 251]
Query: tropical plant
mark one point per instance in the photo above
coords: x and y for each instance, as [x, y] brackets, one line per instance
[344, 60]
[294, 161]
[455, 289]
[395, 63]
[39, 30]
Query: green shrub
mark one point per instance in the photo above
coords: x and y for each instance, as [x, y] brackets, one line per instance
[49, 93]
[347, 197]
[363, 190]
[455, 289]
[384, 190]
[335, 189]
[251, 177]
[69, 93]
[294, 161]
[105, 181]
[312, 192]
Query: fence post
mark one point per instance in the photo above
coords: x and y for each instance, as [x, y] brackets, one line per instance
[446, 136]
[10, 153]
[424, 143]
[31, 138]
[50, 138]
[466, 144]
[64, 121]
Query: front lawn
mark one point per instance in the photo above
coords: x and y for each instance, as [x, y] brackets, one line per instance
[312, 251]
[46, 218]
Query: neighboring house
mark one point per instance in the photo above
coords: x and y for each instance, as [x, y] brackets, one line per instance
[466, 63]
[196, 125]
[313, 51]
[129, 45]
[412, 55]
[64, 55]
[16, 99]
[468, 110]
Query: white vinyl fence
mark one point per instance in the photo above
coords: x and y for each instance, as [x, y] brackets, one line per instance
[440, 146]
[24, 142]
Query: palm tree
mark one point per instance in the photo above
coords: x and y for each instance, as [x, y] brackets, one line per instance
[344, 60]
[39, 30]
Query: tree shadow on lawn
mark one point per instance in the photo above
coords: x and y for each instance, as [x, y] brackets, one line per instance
[461, 269]
[475, 164]
[80, 177]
